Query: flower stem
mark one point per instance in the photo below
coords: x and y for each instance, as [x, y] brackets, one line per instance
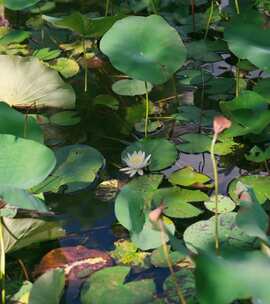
[209, 19]
[193, 15]
[154, 7]
[85, 66]
[146, 111]
[2, 263]
[237, 7]
[237, 81]
[107, 8]
[169, 262]
[215, 170]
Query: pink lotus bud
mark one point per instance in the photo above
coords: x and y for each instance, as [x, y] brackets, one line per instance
[220, 124]
[245, 197]
[155, 214]
[4, 22]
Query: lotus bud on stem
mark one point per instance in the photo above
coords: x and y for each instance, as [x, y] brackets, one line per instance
[220, 123]
[155, 216]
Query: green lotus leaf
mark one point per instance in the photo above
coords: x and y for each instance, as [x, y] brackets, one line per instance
[65, 118]
[262, 88]
[257, 155]
[107, 101]
[15, 123]
[199, 143]
[244, 41]
[187, 177]
[21, 199]
[76, 167]
[13, 37]
[185, 278]
[66, 67]
[225, 204]
[18, 5]
[131, 87]
[163, 152]
[83, 25]
[158, 258]
[26, 82]
[249, 110]
[144, 48]
[133, 199]
[178, 201]
[24, 163]
[200, 235]
[108, 286]
[46, 54]
[258, 183]
[252, 218]
[20, 233]
[43, 7]
[150, 236]
[48, 288]
[233, 271]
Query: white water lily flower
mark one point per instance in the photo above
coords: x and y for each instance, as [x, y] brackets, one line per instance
[135, 163]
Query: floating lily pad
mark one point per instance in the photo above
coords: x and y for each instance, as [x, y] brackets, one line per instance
[158, 258]
[178, 201]
[15, 36]
[24, 163]
[259, 184]
[46, 54]
[200, 235]
[199, 143]
[188, 177]
[185, 278]
[132, 43]
[48, 288]
[76, 167]
[65, 118]
[108, 286]
[107, 101]
[26, 82]
[131, 87]
[66, 67]
[163, 152]
[225, 204]
[15, 123]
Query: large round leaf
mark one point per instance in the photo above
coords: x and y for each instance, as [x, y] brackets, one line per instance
[248, 38]
[163, 152]
[18, 5]
[200, 235]
[24, 163]
[26, 82]
[131, 87]
[178, 201]
[108, 286]
[77, 167]
[145, 48]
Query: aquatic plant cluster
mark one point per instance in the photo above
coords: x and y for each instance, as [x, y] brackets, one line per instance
[134, 152]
